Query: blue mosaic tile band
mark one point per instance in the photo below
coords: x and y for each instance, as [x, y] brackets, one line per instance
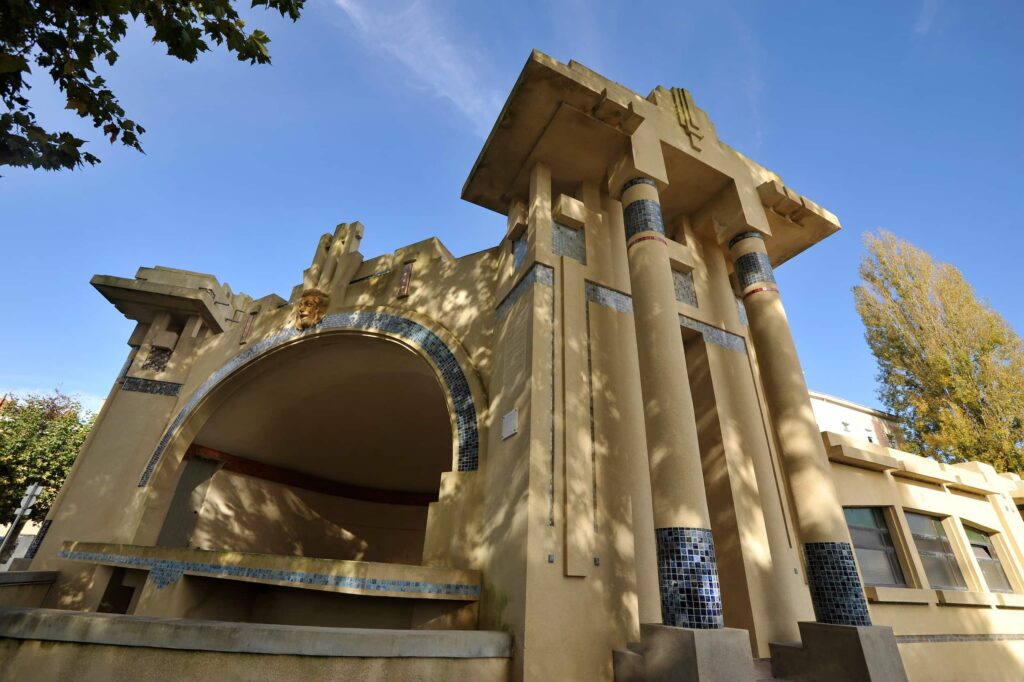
[714, 335]
[919, 639]
[688, 578]
[164, 572]
[623, 303]
[609, 298]
[44, 527]
[836, 590]
[151, 386]
[682, 282]
[538, 274]
[639, 181]
[750, 234]
[741, 311]
[752, 268]
[566, 241]
[416, 334]
[643, 215]
[519, 249]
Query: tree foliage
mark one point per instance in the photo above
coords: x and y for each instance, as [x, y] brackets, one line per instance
[950, 368]
[67, 38]
[40, 436]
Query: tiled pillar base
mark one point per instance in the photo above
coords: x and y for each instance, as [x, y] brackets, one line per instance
[691, 596]
[836, 590]
[689, 655]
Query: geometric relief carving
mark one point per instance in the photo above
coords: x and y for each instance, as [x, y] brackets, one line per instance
[157, 359]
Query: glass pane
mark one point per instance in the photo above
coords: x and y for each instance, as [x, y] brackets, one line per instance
[981, 552]
[931, 544]
[921, 524]
[876, 568]
[995, 576]
[860, 516]
[942, 572]
[976, 537]
[871, 539]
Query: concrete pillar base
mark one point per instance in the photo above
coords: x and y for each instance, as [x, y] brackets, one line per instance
[839, 653]
[671, 654]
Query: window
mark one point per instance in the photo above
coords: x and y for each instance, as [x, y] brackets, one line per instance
[981, 545]
[872, 541]
[936, 554]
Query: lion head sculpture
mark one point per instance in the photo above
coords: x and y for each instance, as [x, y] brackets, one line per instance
[311, 309]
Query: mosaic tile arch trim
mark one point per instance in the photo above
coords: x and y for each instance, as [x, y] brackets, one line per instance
[415, 334]
[164, 572]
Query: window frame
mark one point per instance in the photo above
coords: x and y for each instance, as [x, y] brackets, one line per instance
[990, 544]
[952, 556]
[893, 552]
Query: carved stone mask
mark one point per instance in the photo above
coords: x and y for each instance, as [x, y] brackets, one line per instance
[311, 309]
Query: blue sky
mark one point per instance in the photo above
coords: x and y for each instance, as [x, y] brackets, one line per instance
[906, 116]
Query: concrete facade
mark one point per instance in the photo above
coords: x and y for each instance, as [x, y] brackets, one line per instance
[594, 438]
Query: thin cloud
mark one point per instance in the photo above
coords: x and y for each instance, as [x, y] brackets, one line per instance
[414, 34]
[753, 81]
[926, 17]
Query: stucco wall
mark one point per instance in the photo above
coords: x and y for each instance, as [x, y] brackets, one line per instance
[248, 514]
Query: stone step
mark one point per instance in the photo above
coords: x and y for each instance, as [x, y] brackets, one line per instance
[628, 666]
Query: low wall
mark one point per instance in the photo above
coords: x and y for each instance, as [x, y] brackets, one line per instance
[25, 588]
[977, 661]
[48, 644]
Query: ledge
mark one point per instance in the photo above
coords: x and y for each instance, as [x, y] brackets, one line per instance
[169, 564]
[957, 598]
[27, 577]
[862, 459]
[1006, 600]
[53, 625]
[899, 595]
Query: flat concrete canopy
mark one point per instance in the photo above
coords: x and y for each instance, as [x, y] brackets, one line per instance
[140, 299]
[580, 124]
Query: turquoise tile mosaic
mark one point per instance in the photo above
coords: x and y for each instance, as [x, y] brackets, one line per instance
[682, 282]
[836, 591]
[151, 386]
[691, 596]
[566, 241]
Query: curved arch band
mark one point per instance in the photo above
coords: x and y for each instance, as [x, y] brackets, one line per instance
[414, 333]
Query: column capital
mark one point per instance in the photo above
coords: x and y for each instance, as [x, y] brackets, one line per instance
[639, 180]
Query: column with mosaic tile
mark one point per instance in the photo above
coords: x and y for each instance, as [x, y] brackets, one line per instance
[687, 569]
[836, 591]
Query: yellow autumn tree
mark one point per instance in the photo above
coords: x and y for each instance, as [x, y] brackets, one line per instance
[949, 366]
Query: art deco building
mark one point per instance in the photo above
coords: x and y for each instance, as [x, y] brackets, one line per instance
[587, 453]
